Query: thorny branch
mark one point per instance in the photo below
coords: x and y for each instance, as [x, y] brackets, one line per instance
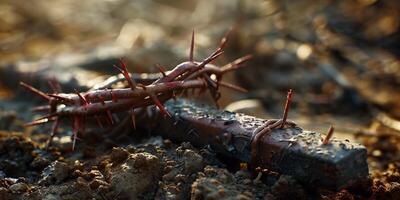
[103, 100]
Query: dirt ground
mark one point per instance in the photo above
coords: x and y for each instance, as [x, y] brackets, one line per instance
[340, 57]
[156, 168]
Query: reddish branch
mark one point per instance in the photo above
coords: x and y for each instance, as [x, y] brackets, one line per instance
[287, 107]
[106, 101]
[329, 135]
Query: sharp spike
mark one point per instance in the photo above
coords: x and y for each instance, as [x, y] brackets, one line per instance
[237, 63]
[243, 59]
[115, 118]
[82, 98]
[48, 116]
[55, 85]
[224, 40]
[75, 130]
[329, 135]
[73, 142]
[37, 122]
[40, 108]
[161, 69]
[287, 107]
[159, 105]
[216, 56]
[53, 132]
[41, 120]
[35, 91]
[191, 47]
[119, 69]
[211, 58]
[60, 97]
[98, 121]
[232, 86]
[110, 117]
[124, 71]
[133, 118]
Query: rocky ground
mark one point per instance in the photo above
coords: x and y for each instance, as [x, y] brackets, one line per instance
[157, 168]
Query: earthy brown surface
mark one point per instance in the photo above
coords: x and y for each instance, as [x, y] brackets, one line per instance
[159, 169]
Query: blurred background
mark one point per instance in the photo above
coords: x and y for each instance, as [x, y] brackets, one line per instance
[340, 57]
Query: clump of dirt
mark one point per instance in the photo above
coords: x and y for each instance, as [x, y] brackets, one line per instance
[219, 183]
[56, 172]
[137, 175]
[20, 157]
[386, 184]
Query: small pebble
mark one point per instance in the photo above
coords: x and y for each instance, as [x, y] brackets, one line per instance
[19, 188]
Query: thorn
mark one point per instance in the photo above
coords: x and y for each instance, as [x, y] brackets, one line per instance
[34, 90]
[41, 120]
[161, 69]
[237, 63]
[55, 85]
[115, 118]
[133, 118]
[159, 105]
[258, 178]
[329, 135]
[216, 56]
[98, 121]
[36, 122]
[48, 116]
[224, 40]
[287, 107]
[83, 99]
[232, 86]
[243, 59]
[191, 47]
[109, 115]
[60, 97]
[124, 71]
[212, 57]
[53, 132]
[40, 108]
[75, 129]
